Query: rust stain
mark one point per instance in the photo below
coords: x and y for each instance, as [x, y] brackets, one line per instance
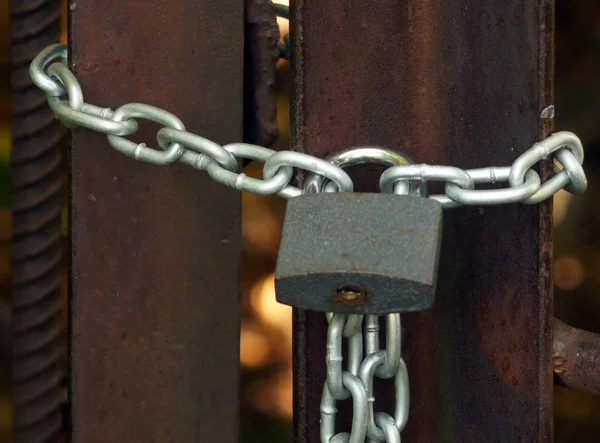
[339, 299]
[350, 295]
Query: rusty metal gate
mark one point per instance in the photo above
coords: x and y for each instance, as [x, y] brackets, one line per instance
[154, 251]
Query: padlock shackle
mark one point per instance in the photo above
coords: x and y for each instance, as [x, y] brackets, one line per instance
[371, 155]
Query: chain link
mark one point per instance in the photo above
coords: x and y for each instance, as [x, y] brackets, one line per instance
[50, 73]
[344, 384]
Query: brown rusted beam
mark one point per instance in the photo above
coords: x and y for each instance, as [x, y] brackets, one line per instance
[155, 250]
[576, 360]
[458, 83]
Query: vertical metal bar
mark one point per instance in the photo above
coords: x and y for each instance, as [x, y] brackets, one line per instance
[155, 250]
[36, 168]
[260, 60]
[461, 83]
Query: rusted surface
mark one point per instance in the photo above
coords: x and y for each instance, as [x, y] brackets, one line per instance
[576, 359]
[155, 250]
[350, 295]
[464, 84]
[38, 390]
[260, 108]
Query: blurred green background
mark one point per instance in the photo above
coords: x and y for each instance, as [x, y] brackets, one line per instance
[266, 326]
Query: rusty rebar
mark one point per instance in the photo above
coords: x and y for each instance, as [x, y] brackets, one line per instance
[36, 159]
[576, 359]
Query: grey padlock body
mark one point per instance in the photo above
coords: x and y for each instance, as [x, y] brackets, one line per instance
[359, 253]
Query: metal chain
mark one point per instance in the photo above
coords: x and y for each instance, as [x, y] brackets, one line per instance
[362, 332]
[50, 73]
[356, 382]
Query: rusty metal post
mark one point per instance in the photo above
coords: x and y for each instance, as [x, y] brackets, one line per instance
[260, 59]
[155, 251]
[36, 196]
[461, 83]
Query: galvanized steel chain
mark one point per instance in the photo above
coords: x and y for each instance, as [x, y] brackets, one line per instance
[366, 361]
[50, 73]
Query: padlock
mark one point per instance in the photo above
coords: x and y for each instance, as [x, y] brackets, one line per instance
[361, 253]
